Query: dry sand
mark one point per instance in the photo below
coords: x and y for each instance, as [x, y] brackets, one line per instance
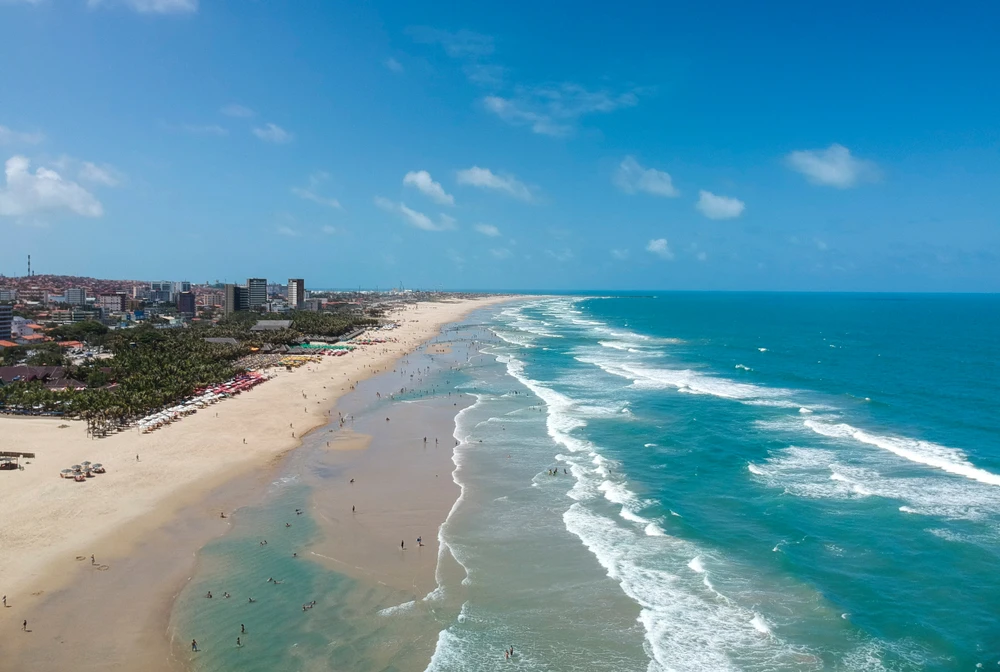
[49, 522]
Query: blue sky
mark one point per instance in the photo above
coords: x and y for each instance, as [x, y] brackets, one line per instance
[791, 146]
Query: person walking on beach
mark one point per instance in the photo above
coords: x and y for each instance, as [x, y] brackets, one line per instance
[238, 642]
[5, 600]
[24, 626]
[194, 644]
[243, 629]
[402, 545]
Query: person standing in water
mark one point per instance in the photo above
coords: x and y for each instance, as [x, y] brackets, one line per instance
[194, 644]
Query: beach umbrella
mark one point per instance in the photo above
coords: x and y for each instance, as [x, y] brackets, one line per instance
[85, 463]
[96, 465]
[66, 471]
[76, 467]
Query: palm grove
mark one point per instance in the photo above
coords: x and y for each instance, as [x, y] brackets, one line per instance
[152, 368]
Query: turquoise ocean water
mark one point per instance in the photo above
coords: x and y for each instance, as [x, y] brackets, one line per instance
[715, 482]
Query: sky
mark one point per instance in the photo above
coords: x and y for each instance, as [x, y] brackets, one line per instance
[796, 146]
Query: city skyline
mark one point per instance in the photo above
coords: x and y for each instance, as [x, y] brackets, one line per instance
[452, 147]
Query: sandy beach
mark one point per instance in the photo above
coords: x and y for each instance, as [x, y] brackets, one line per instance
[185, 471]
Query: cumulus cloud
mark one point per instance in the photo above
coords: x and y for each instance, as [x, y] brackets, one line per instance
[660, 248]
[632, 177]
[562, 255]
[44, 190]
[554, 109]
[719, 207]
[273, 133]
[833, 166]
[487, 179]
[415, 218]
[9, 136]
[287, 231]
[501, 253]
[329, 230]
[151, 6]
[234, 110]
[393, 64]
[488, 230]
[422, 181]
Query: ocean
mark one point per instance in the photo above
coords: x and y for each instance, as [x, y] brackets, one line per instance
[696, 482]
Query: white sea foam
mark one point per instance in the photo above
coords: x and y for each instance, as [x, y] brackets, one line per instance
[689, 381]
[398, 609]
[947, 459]
[760, 625]
[825, 474]
[744, 367]
[696, 565]
[654, 530]
[686, 627]
[649, 445]
[762, 349]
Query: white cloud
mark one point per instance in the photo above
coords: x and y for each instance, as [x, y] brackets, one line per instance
[234, 110]
[152, 6]
[309, 192]
[619, 254]
[719, 207]
[701, 256]
[9, 137]
[660, 248]
[554, 109]
[560, 255]
[488, 230]
[632, 177]
[461, 44]
[833, 166]
[487, 179]
[204, 129]
[421, 179]
[329, 230]
[273, 133]
[103, 174]
[287, 231]
[43, 191]
[316, 198]
[414, 218]
[393, 64]
[501, 253]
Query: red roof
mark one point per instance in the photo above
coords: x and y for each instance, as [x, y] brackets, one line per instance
[7, 344]
[34, 337]
[71, 344]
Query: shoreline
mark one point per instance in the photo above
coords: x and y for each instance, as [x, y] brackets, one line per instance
[75, 520]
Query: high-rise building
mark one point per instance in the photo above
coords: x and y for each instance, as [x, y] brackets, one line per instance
[6, 314]
[185, 303]
[112, 303]
[76, 296]
[161, 291]
[296, 293]
[178, 287]
[8, 295]
[257, 292]
[237, 299]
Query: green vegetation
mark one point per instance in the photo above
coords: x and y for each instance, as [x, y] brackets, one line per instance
[152, 368]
